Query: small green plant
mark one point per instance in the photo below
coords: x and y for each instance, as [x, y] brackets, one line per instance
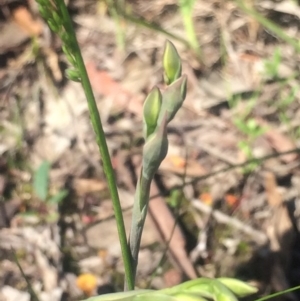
[268, 24]
[120, 31]
[271, 70]
[159, 109]
[283, 105]
[248, 126]
[272, 65]
[41, 188]
[139, 21]
[252, 130]
[41, 185]
[186, 9]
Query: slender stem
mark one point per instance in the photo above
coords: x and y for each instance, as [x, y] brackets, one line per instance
[186, 8]
[139, 213]
[152, 26]
[101, 141]
[273, 27]
[279, 293]
[120, 32]
[31, 291]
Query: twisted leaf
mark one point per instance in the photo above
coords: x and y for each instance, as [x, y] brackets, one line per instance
[173, 98]
[171, 63]
[239, 288]
[155, 150]
[151, 111]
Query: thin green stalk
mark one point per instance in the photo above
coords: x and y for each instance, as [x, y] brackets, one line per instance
[269, 25]
[101, 141]
[186, 8]
[30, 289]
[279, 293]
[154, 151]
[120, 34]
[140, 208]
[153, 26]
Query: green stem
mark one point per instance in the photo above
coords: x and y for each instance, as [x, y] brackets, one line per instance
[269, 25]
[120, 33]
[186, 9]
[139, 213]
[101, 141]
[30, 289]
[152, 26]
[279, 294]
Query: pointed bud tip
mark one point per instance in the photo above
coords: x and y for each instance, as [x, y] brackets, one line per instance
[171, 63]
[184, 86]
[151, 111]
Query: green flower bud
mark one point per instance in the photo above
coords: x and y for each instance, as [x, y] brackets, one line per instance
[239, 288]
[173, 98]
[73, 75]
[221, 292]
[171, 63]
[201, 286]
[151, 111]
[155, 150]
[188, 285]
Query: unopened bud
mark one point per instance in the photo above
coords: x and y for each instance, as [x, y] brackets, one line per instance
[173, 99]
[151, 111]
[171, 63]
[221, 292]
[155, 150]
[240, 288]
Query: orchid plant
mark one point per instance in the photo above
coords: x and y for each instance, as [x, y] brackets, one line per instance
[159, 109]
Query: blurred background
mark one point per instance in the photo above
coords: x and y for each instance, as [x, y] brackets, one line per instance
[225, 201]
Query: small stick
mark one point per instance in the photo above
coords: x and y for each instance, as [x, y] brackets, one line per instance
[222, 218]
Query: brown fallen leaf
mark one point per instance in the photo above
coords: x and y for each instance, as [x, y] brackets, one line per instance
[84, 186]
[281, 234]
[281, 229]
[178, 165]
[164, 221]
[105, 85]
[273, 196]
[281, 143]
[52, 62]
